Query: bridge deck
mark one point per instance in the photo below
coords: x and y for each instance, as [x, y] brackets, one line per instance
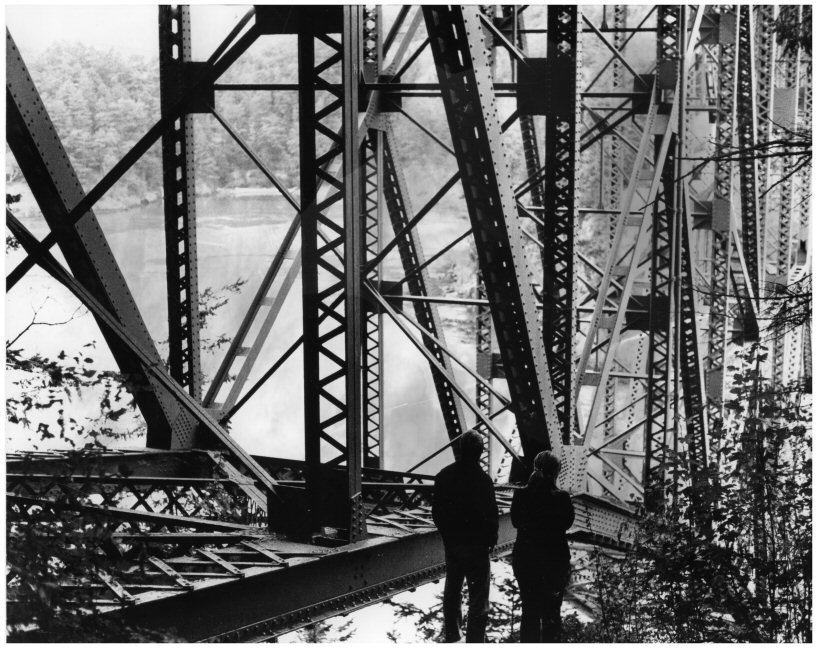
[177, 562]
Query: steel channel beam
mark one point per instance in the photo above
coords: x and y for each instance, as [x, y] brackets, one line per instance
[331, 289]
[459, 54]
[560, 219]
[411, 254]
[38, 150]
[179, 184]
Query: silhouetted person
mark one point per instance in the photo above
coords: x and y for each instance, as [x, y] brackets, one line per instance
[464, 510]
[541, 557]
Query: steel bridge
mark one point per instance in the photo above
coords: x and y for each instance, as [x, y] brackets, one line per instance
[616, 362]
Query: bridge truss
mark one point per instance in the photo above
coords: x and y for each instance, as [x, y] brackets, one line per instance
[613, 358]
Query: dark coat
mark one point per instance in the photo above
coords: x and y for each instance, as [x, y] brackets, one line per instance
[542, 515]
[464, 506]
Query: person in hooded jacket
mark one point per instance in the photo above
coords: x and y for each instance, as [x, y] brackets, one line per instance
[542, 514]
[465, 512]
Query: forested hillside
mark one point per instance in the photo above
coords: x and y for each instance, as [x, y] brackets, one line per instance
[101, 102]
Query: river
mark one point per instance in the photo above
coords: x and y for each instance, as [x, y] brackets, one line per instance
[237, 238]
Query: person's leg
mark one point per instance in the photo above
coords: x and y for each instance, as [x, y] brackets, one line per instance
[551, 612]
[452, 595]
[530, 594]
[555, 582]
[478, 573]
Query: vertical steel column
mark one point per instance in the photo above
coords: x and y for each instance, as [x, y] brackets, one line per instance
[560, 222]
[765, 70]
[372, 153]
[37, 148]
[179, 183]
[331, 247]
[455, 35]
[787, 91]
[484, 362]
[747, 139]
[691, 371]
[796, 344]
[658, 433]
[659, 353]
[721, 218]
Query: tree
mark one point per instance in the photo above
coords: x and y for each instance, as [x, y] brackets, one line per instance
[503, 614]
[794, 31]
[326, 632]
[750, 578]
[58, 555]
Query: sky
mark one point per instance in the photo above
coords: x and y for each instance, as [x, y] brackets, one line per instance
[127, 28]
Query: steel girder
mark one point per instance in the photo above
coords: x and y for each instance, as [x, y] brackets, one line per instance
[691, 368]
[559, 216]
[765, 72]
[53, 182]
[721, 223]
[179, 183]
[797, 358]
[182, 569]
[331, 269]
[746, 126]
[787, 89]
[660, 435]
[455, 35]
[411, 253]
[612, 188]
[661, 304]
[483, 333]
[661, 428]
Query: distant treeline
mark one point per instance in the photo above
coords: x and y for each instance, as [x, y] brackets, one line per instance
[102, 102]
